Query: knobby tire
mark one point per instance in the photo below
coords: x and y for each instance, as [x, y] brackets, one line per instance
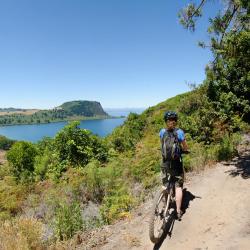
[161, 197]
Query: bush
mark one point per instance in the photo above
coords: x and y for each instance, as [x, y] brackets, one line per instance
[228, 146]
[47, 165]
[21, 157]
[100, 180]
[73, 144]
[197, 159]
[203, 154]
[94, 181]
[5, 170]
[125, 137]
[146, 163]
[21, 234]
[5, 143]
[68, 220]
[12, 195]
[4, 215]
[116, 205]
[42, 164]
[77, 146]
[99, 148]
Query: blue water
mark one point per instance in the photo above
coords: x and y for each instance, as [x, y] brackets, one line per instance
[36, 132]
[123, 111]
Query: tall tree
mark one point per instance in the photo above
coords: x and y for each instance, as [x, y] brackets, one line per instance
[228, 77]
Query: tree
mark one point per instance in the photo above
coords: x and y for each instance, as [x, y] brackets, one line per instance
[228, 79]
[77, 146]
[21, 157]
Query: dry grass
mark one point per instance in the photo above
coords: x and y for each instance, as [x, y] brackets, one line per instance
[23, 112]
[2, 157]
[84, 240]
[132, 240]
[21, 234]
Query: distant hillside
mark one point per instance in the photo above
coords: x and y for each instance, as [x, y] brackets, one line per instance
[11, 109]
[74, 110]
[84, 108]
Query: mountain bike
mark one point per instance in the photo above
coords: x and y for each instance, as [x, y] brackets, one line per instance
[164, 210]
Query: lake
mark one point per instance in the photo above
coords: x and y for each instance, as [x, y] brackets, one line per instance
[36, 132]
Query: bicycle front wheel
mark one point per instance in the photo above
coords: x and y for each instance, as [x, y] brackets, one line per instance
[157, 219]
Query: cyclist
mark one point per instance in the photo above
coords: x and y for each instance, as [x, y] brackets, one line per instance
[173, 143]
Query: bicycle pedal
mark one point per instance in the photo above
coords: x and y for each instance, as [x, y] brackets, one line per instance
[167, 217]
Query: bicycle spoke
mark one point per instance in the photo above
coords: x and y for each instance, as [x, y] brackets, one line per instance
[158, 220]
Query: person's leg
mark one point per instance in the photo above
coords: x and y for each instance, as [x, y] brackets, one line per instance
[164, 171]
[178, 197]
[179, 186]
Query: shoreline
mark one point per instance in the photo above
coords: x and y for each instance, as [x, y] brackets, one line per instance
[66, 120]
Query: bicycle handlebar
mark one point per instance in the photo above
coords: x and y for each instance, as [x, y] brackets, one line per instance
[185, 152]
[182, 151]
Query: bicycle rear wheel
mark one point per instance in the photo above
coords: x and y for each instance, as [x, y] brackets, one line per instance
[157, 220]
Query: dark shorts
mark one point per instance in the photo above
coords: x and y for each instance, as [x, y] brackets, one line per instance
[175, 169]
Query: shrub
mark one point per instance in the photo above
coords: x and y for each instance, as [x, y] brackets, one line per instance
[99, 148]
[73, 144]
[125, 137]
[68, 220]
[42, 164]
[116, 205]
[21, 157]
[47, 160]
[77, 146]
[4, 215]
[74, 178]
[146, 163]
[197, 159]
[11, 195]
[49, 166]
[21, 234]
[100, 180]
[5, 143]
[228, 146]
[5, 170]
[94, 181]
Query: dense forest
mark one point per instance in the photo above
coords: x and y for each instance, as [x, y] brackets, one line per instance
[47, 189]
[74, 110]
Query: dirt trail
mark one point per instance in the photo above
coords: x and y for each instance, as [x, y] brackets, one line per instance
[2, 157]
[217, 213]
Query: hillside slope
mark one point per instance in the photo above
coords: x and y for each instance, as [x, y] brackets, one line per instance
[108, 178]
[217, 205]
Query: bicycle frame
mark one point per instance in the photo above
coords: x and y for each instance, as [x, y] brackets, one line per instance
[164, 206]
[170, 191]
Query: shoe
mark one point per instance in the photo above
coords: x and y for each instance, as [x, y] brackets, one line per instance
[179, 215]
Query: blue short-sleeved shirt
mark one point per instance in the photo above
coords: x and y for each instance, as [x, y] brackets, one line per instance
[180, 134]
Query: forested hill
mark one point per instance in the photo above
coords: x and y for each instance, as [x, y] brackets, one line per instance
[67, 111]
[84, 108]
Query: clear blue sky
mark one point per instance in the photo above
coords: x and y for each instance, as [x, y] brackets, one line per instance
[122, 53]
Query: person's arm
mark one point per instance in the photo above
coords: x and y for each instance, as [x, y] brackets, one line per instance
[184, 145]
[181, 137]
[162, 131]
